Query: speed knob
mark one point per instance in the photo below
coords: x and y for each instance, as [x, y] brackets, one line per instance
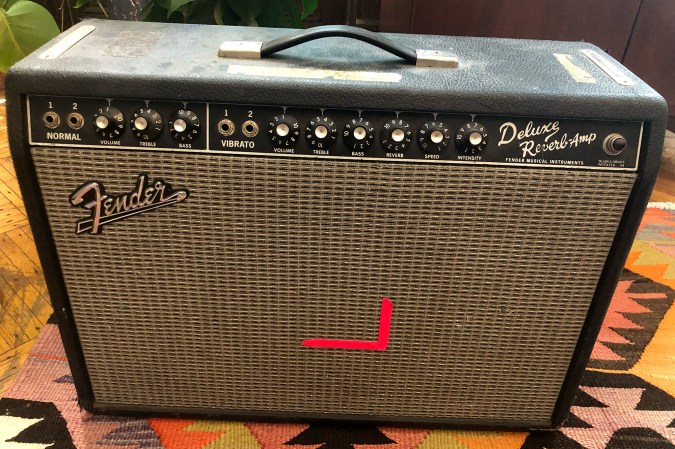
[433, 137]
[147, 124]
[284, 130]
[396, 135]
[184, 125]
[358, 134]
[109, 122]
[471, 138]
[321, 132]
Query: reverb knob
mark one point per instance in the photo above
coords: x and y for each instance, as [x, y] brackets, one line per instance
[109, 122]
[396, 135]
[146, 124]
[184, 125]
[433, 137]
[358, 134]
[321, 132]
[471, 138]
[284, 130]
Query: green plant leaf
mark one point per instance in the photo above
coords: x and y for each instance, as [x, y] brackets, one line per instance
[293, 13]
[308, 8]
[174, 5]
[274, 15]
[218, 13]
[248, 10]
[81, 3]
[24, 27]
[281, 14]
[225, 14]
[8, 4]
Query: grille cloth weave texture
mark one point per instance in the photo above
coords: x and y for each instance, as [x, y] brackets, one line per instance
[205, 304]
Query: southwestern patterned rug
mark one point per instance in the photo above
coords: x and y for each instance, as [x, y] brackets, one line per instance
[626, 399]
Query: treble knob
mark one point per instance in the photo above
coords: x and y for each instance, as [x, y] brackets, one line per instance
[396, 135]
[109, 122]
[433, 137]
[471, 138]
[358, 134]
[147, 124]
[184, 125]
[284, 130]
[321, 132]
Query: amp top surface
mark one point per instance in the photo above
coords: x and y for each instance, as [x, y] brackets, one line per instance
[171, 61]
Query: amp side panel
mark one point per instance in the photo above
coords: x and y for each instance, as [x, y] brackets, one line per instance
[205, 303]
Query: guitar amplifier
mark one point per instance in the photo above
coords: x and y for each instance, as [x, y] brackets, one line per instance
[259, 224]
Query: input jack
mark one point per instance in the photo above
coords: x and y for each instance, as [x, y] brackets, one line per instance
[250, 128]
[226, 127]
[75, 120]
[51, 119]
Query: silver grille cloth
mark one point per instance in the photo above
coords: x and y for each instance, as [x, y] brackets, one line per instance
[205, 304]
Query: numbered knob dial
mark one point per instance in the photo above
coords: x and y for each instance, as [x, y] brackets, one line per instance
[433, 137]
[321, 132]
[471, 138]
[284, 130]
[109, 123]
[358, 134]
[184, 125]
[147, 124]
[396, 135]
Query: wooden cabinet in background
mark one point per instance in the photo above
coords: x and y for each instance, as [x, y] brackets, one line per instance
[640, 33]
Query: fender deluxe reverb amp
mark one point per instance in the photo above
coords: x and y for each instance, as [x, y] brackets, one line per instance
[257, 223]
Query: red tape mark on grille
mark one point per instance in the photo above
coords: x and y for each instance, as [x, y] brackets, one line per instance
[379, 345]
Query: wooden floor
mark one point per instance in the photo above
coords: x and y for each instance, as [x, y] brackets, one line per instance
[24, 302]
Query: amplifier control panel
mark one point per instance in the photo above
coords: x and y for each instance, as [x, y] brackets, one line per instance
[435, 137]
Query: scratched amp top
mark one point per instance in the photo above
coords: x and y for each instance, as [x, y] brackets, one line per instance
[332, 223]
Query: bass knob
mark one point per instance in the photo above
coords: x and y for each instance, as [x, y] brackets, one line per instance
[358, 134]
[184, 125]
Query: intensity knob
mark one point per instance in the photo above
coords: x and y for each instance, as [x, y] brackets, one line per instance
[358, 134]
[433, 137]
[396, 135]
[321, 132]
[109, 122]
[184, 125]
[146, 124]
[471, 138]
[284, 130]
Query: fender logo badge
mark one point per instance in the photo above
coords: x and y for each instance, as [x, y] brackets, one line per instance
[106, 209]
[379, 345]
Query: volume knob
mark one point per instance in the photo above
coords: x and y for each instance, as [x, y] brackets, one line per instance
[109, 122]
[147, 124]
[471, 138]
[184, 125]
[433, 137]
[284, 130]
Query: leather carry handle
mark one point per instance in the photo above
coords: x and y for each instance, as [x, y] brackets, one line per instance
[257, 50]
